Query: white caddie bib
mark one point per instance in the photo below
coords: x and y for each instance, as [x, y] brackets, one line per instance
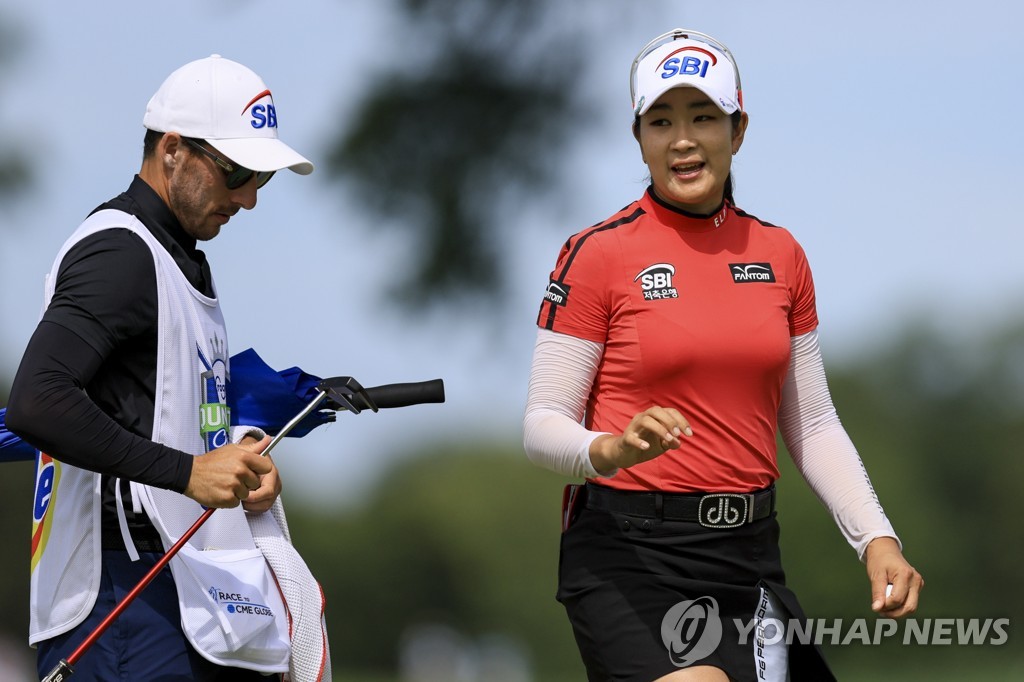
[231, 607]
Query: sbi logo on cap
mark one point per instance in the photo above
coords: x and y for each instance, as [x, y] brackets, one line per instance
[688, 65]
[263, 116]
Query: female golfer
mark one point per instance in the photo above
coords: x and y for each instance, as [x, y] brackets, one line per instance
[680, 331]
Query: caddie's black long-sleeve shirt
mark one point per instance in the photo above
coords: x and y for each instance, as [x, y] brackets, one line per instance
[85, 390]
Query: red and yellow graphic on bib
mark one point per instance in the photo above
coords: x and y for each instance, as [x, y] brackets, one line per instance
[47, 477]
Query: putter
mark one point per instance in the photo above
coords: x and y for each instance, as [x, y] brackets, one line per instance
[343, 393]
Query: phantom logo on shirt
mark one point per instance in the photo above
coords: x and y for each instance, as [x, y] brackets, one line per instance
[557, 292]
[742, 273]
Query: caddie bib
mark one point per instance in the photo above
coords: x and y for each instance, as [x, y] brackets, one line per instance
[231, 608]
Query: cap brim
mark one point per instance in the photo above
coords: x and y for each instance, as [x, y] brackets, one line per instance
[263, 154]
[727, 106]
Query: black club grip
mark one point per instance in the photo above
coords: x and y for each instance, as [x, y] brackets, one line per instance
[403, 395]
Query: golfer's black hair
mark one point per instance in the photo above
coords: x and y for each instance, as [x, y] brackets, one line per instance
[735, 117]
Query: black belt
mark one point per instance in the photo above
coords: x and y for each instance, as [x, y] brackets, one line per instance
[712, 510]
[143, 542]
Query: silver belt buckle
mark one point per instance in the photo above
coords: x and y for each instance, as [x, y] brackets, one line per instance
[725, 510]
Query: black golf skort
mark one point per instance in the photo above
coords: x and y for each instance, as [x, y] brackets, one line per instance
[620, 574]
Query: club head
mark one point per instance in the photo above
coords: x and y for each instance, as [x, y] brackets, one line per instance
[347, 393]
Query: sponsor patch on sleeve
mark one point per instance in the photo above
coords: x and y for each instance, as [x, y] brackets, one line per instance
[557, 292]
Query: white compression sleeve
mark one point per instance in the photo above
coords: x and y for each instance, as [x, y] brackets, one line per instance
[823, 451]
[560, 380]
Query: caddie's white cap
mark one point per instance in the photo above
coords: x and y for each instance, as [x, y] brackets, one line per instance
[685, 58]
[229, 106]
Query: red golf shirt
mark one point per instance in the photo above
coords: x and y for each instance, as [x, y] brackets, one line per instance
[695, 313]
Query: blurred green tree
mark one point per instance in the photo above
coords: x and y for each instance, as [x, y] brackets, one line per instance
[14, 165]
[469, 119]
[15, 530]
[15, 478]
[939, 424]
[470, 540]
[15, 173]
[450, 537]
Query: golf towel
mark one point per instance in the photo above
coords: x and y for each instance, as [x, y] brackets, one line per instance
[310, 659]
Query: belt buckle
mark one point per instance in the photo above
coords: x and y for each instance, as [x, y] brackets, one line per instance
[725, 510]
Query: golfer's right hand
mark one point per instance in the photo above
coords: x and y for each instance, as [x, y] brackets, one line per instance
[650, 433]
[225, 476]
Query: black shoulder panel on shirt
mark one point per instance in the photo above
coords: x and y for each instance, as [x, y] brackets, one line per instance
[552, 307]
[743, 214]
[592, 231]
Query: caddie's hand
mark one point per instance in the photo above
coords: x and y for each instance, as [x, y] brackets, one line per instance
[226, 476]
[649, 434]
[886, 566]
[262, 499]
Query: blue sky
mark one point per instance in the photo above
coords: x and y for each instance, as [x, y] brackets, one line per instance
[882, 134]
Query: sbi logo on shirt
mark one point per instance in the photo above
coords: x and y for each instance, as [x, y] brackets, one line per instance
[656, 282]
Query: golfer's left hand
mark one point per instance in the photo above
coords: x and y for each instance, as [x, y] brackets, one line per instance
[886, 566]
[262, 498]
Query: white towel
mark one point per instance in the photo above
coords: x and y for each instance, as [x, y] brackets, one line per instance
[311, 655]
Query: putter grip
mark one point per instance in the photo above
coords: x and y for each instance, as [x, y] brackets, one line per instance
[403, 395]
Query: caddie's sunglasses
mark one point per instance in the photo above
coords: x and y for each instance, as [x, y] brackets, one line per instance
[234, 175]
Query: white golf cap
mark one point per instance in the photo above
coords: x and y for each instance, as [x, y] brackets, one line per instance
[229, 106]
[684, 58]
